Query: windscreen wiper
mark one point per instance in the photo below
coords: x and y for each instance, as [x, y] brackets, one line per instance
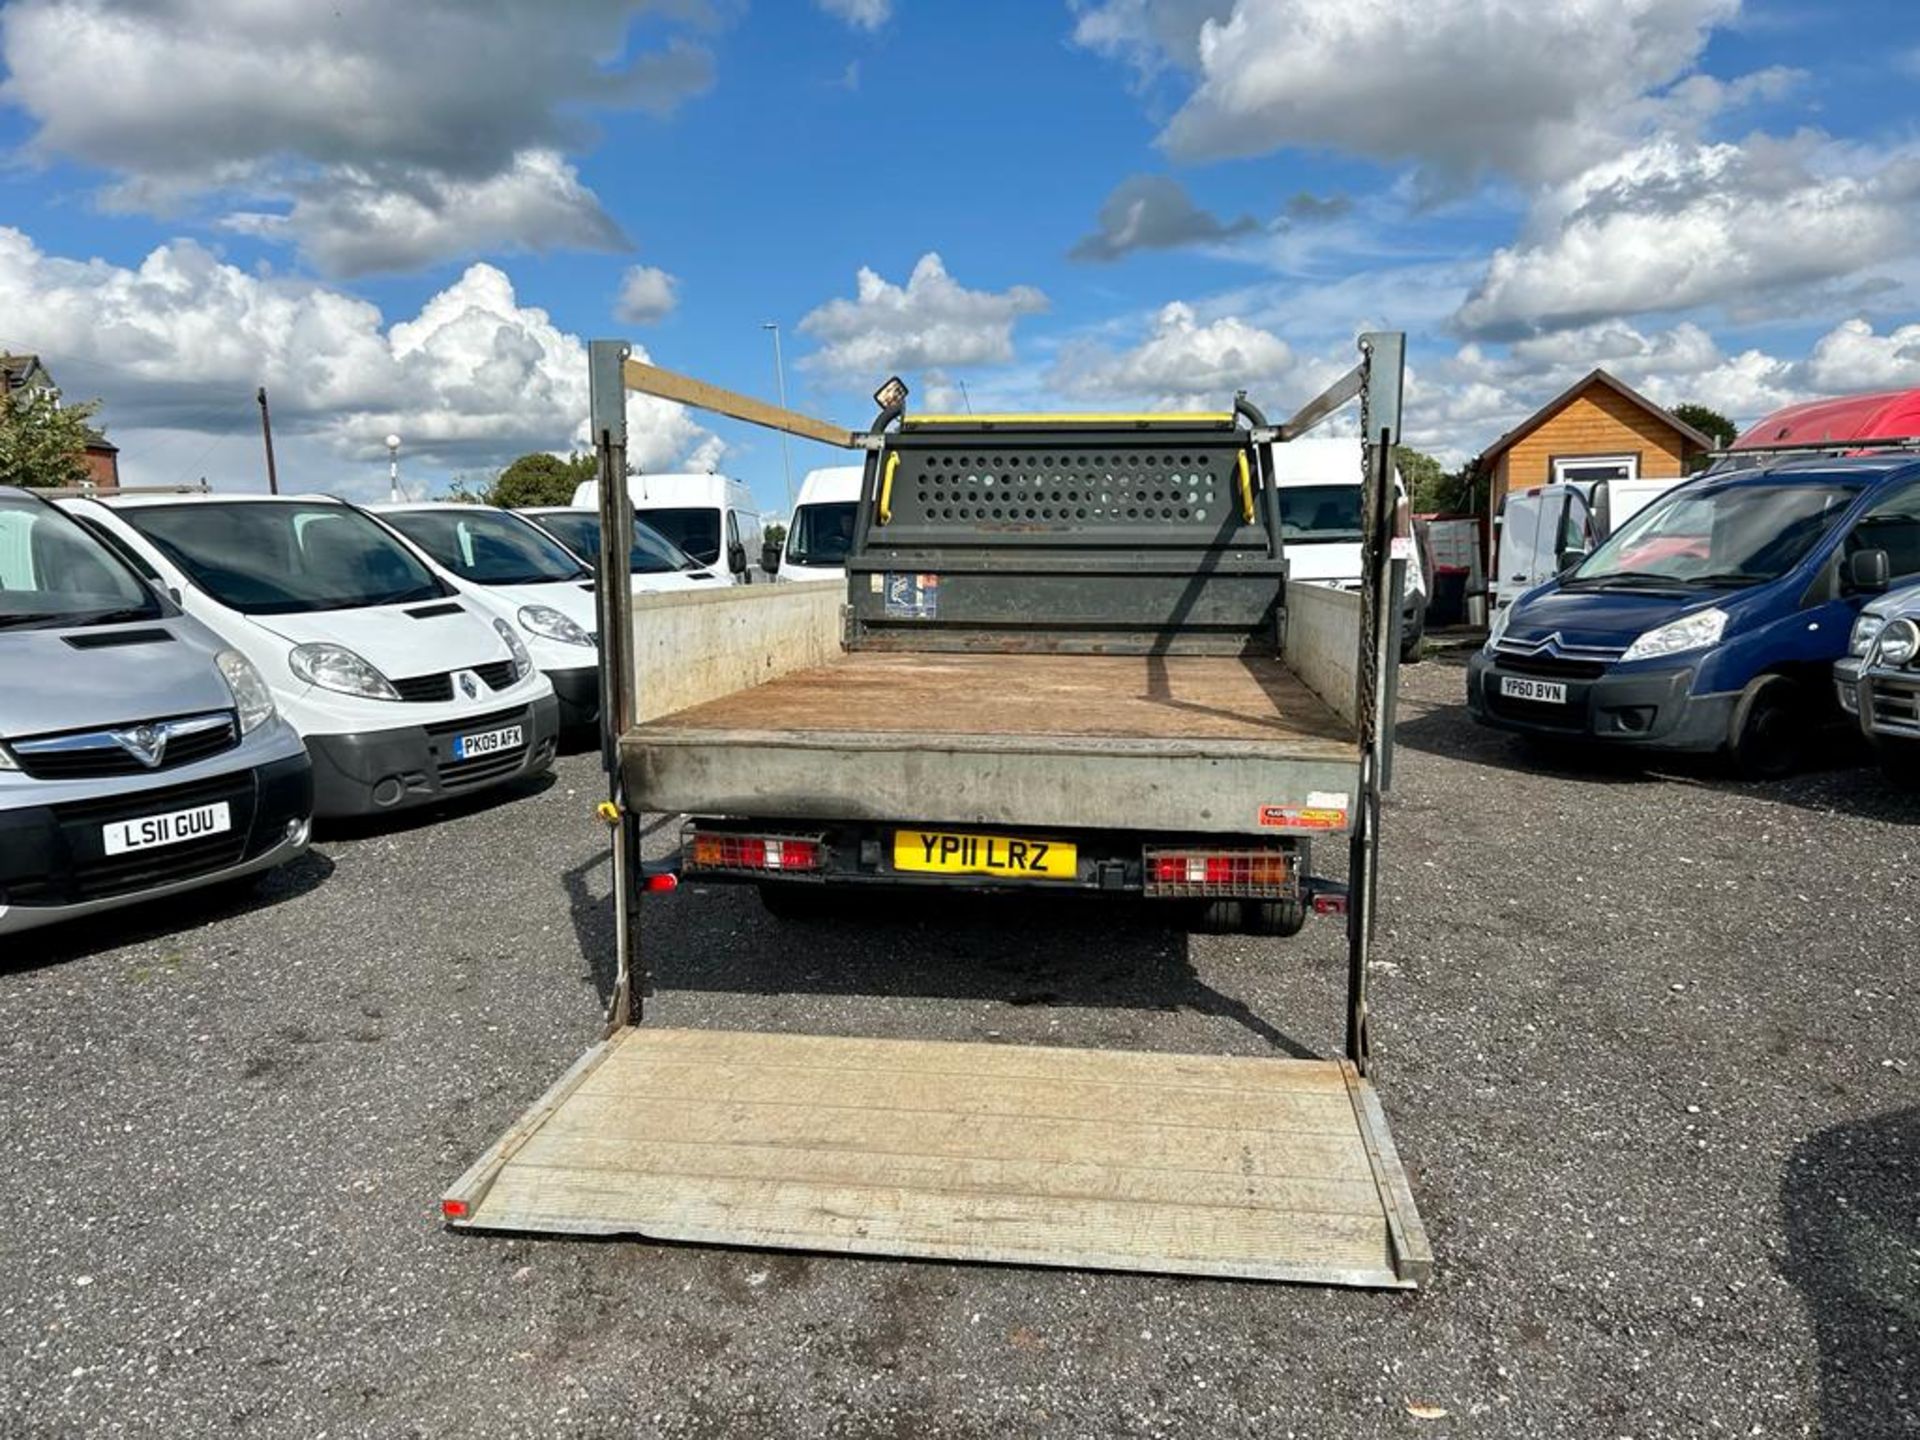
[1727, 577]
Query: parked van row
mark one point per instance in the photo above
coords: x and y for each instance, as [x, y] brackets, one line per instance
[193, 679]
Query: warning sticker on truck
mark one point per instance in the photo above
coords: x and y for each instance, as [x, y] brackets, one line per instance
[1323, 811]
[912, 596]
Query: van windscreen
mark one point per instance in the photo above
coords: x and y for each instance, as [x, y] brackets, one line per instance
[579, 531]
[282, 557]
[1319, 512]
[822, 534]
[694, 528]
[53, 573]
[1718, 535]
[486, 546]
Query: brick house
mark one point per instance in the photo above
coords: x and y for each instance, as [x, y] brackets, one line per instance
[25, 372]
[1598, 429]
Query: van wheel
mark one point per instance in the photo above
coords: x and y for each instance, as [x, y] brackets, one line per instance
[1769, 729]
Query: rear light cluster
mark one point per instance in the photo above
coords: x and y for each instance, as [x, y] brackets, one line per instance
[1252, 873]
[762, 854]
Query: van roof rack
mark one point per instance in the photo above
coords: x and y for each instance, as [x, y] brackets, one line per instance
[1819, 447]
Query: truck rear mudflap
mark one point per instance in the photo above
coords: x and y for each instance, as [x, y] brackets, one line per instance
[1180, 1164]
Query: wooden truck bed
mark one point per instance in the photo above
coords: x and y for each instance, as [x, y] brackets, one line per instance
[1138, 742]
[1188, 1164]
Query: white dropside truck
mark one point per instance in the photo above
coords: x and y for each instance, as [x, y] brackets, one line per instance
[1070, 662]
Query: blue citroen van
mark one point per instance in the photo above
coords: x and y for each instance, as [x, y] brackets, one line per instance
[1710, 621]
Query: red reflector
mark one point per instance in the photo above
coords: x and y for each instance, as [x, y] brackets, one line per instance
[454, 1209]
[1329, 904]
[654, 884]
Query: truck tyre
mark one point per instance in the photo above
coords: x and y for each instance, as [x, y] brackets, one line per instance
[1770, 725]
[1275, 917]
[792, 900]
[1216, 917]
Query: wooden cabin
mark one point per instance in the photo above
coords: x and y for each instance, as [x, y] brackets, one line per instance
[1598, 429]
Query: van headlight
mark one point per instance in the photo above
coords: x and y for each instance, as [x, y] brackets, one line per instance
[1899, 642]
[1676, 637]
[546, 621]
[1864, 630]
[251, 698]
[334, 667]
[522, 661]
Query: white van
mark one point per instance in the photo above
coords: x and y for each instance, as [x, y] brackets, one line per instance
[820, 531]
[655, 563]
[711, 517]
[528, 576]
[405, 691]
[1538, 526]
[1319, 483]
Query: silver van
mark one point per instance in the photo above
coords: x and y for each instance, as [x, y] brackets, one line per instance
[138, 756]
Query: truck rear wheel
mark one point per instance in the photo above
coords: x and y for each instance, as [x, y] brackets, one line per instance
[1275, 917]
[1249, 917]
[1769, 729]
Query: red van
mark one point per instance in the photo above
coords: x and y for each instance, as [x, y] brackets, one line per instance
[1887, 415]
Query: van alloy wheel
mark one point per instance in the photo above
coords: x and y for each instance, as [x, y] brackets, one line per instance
[1769, 729]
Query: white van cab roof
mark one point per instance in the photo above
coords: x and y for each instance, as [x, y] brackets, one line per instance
[1319, 460]
[831, 483]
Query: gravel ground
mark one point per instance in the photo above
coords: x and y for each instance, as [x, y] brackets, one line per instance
[1647, 1043]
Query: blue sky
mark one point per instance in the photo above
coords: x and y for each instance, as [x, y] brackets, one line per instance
[1129, 202]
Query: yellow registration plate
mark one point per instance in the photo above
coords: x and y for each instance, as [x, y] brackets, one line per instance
[1003, 856]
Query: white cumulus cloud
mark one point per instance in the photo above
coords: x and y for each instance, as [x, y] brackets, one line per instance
[1180, 362]
[1673, 225]
[931, 322]
[439, 121]
[647, 295]
[178, 343]
[1455, 86]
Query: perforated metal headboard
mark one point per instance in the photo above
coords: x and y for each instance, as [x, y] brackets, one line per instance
[983, 484]
[1030, 532]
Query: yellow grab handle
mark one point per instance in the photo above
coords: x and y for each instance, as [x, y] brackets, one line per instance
[1246, 489]
[886, 488]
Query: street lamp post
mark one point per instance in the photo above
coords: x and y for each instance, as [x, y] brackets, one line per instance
[780, 379]
[393, 469]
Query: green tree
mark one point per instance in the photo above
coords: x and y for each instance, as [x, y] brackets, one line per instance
[776, 535]
[42, 442]
[1709, 422]
[1425, 477]
[539, 479]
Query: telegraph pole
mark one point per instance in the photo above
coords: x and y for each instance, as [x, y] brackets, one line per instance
[266, 434]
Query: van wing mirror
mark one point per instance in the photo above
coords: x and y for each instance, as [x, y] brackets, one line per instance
[737, 558]
[1870, 572]
[770, 558]
[1570, 560]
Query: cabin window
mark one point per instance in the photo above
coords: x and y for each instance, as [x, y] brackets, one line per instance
[1586, 469]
